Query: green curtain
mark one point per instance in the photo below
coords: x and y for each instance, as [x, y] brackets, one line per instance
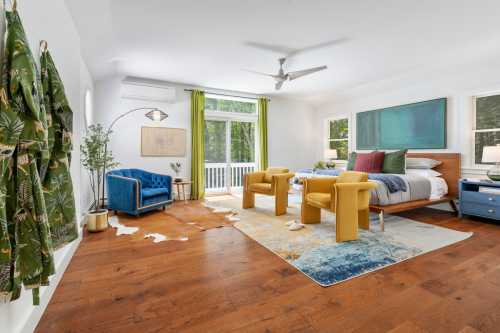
[57, 184]
[263, 159]
[25, 211]
[197, 144]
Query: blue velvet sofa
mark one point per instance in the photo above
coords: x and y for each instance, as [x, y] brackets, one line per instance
[136, 191]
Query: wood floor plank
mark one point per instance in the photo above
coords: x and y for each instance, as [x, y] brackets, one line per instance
[222, 281]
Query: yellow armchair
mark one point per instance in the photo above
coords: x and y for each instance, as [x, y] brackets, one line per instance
[347, 195]
[273, 181]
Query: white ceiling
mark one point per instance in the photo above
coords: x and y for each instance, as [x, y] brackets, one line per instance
[203, 42]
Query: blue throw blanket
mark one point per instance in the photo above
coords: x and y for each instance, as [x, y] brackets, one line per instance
[394, 183]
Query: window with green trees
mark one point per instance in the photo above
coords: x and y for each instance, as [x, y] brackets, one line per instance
[487, 124]
[338, 137]
[228, 105]
[239, 130]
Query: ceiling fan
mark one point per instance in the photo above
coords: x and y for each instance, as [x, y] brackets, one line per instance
[281, 76]
[289, 53]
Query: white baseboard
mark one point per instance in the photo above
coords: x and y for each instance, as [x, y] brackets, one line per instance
[21, 316]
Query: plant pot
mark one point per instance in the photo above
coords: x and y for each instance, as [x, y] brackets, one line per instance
[97, 220]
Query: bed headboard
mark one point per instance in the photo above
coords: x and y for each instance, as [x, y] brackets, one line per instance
[450, 168]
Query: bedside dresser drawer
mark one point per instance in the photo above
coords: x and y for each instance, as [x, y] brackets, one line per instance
[481, 198]
[472, 208]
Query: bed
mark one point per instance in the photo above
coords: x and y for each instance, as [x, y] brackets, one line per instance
[417, 191]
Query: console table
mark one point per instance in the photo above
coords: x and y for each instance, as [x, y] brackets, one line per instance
[480, 198]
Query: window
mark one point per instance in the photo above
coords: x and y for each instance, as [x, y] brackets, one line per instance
[230, 141]
[213, 103]
[338, 137]
[486, 124]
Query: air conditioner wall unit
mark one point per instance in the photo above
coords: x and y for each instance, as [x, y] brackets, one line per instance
[148, 92]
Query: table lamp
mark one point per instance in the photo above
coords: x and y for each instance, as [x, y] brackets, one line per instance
[491, 154]
[330, 155]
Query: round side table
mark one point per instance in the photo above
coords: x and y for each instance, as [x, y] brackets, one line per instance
[181, 189]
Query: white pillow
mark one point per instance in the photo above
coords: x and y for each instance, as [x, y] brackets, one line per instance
[421, 163]
[423, 172]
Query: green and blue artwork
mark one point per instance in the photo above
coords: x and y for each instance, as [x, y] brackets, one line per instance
[412, 126]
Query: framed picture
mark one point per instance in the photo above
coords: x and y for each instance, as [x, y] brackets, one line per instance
[163, 141]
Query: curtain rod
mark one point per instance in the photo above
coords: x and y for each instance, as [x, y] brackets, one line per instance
[226, 95]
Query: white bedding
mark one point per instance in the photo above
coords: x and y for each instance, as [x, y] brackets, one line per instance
[382, 196]
[439, 188]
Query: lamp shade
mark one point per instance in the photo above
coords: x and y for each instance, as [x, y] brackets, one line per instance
[491, 154]
[331, 154]
[156, 115]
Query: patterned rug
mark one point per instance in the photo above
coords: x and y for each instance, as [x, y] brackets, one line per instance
[314, 252]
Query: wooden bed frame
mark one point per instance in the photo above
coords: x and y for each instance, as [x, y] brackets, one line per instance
[450, 168]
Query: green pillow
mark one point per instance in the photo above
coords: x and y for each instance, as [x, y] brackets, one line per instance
[395, 162]
[352, 161]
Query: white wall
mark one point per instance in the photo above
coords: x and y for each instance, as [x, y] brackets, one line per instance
[458, 84]
[291, 135]
[290, 126]
[50, 20]
[126, 138]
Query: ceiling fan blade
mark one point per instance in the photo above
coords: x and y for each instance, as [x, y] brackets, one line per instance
[278, 85]
[260, 73]
[271, 47]
[318, 46]
[304, 72]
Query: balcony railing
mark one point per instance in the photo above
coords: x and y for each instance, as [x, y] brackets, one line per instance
[222, 177]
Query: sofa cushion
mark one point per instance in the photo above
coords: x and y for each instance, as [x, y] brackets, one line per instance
[154, 192]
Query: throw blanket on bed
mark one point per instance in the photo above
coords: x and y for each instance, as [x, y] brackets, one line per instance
[394, 183]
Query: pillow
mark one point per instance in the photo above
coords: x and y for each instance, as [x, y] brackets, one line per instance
[371, 162]
[395, 162]
[352, 161]
[421, 163]
[423, 172]
[268, 177]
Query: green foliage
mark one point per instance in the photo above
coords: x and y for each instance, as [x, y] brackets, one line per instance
[339, 129]
[339, 133]
[242, 141]
[96, 158]
[242, 133]
[215, 141]
[342, 149]
[320, 165]
[226, 105]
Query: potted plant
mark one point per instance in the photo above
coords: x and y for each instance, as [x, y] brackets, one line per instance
[96, 158]
[176, 167]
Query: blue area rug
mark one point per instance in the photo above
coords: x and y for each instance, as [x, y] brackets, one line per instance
[314, 252]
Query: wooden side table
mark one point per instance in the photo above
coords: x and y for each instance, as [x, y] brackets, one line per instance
[181, 188]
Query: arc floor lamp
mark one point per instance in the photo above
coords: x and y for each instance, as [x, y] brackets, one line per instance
[155, 114]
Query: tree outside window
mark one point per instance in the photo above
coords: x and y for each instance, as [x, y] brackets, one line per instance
[338, 137]
[487, 124]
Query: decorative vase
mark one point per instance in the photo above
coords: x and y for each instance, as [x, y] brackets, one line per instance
[97, 220]
[494, 173]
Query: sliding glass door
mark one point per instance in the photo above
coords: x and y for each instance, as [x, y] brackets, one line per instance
[229, 152]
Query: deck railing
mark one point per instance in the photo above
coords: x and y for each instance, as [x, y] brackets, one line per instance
[221, 177]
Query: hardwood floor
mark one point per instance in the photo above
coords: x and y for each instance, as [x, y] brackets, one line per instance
[222, 281]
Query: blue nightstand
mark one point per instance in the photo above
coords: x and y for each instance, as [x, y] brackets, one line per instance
[480, 198]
